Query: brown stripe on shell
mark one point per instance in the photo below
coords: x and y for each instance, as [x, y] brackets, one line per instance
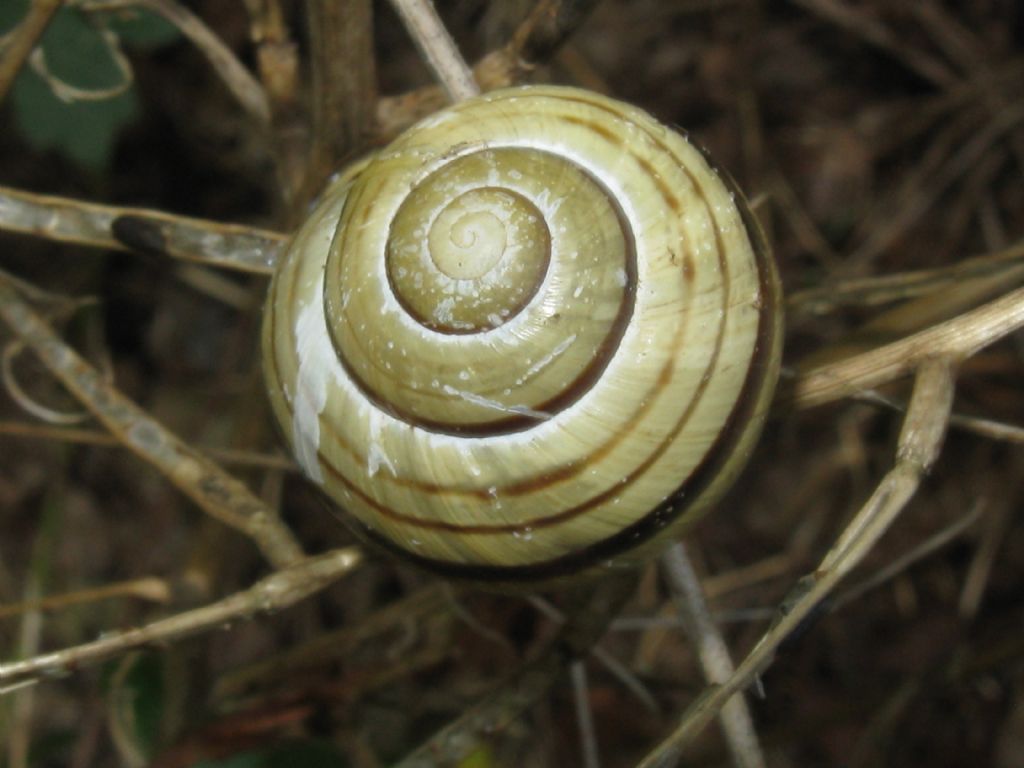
[715, 460]
[533, 485]
[562, 473]
[572, 392]
[699, 480]
[565, 472]
[671, 200]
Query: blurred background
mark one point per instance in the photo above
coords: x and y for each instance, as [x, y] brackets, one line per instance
[873, 137]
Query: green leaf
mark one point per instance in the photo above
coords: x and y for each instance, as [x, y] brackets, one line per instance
[11, 12]
[85, 131]
[77, 54]
[136, 703]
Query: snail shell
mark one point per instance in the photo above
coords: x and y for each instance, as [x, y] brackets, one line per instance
[536, 334]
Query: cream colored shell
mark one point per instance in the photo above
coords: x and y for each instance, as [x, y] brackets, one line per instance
[537, 333]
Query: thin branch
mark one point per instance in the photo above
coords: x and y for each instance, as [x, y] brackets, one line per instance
[23, 39]
[877, 34]
[541, 34]
[437, 47]
[407, 615]
[213, 489]
[94, 437]
[546, 27]
[911, 209]
[713, 653]
[63, 219]
[277, 61]
[918, 314]
[279, 590]
[343, 84]
[587, 622]
[239, 81]
[993, 430]
[31, 626]
[613, 666]
[584, 716]
[924, 549]
[954, 339]
[966, 50]
[151, 589]
[220, 287]
[993, 538]
[917, 449]
[881, 289]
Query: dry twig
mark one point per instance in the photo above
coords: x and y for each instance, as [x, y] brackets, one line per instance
[106, 226]
[213, 489]
[151, 589]
[918, 447]
[437, 47]
[240, 458]
[239, 81]
[587, 621]
[537, 38]
[713, 654]
[954, 339]
[344, 85]
[279, 590]
[23, 40]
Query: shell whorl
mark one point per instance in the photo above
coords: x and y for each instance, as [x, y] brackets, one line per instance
[534, 334]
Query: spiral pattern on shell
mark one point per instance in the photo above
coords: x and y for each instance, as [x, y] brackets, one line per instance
[536, 333]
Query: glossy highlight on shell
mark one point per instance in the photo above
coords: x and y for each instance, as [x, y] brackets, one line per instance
[536, 334]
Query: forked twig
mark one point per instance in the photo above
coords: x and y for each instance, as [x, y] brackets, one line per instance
[988, 428]
[920, 440]
[538, 37]
[611, 665]
[279, 590]
[412, 611]
[587, 622]
[213, 489]
[953, 340]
